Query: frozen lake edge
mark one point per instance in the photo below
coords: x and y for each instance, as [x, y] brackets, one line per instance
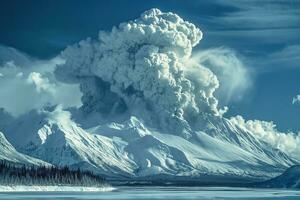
[21, 188]
[158, 193]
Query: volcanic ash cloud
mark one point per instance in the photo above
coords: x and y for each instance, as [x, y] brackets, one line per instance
[143, 67]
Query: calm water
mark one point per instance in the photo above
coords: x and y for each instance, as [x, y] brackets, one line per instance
[170, 193]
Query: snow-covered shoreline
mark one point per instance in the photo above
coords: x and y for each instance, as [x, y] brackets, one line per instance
[22, 188]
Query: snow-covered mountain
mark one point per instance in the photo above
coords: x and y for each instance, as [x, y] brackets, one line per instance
[130, 150]
[9, 153]
[149, 110]
[289, 179]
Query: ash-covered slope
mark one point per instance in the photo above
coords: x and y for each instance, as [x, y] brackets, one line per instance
[9, 153]
[289, 179]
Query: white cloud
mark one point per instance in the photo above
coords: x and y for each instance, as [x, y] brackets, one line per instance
[32, 85]
[296, 99]
[267, 132]
[41, 83]
[287, 57]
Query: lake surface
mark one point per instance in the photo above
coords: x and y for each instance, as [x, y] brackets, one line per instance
[157, 193]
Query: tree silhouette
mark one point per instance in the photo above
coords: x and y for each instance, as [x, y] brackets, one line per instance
[16, 174]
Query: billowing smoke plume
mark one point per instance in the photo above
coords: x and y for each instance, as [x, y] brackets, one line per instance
[143, 63]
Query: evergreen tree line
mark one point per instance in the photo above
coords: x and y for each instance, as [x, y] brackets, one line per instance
[12, 174]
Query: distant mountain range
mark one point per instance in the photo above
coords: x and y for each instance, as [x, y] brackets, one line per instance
[129, 150]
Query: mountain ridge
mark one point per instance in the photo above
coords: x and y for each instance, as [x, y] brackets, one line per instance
[9, 153]
[130, 150]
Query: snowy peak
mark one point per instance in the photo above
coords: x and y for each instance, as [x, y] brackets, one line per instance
[128, 149]
[60, 141]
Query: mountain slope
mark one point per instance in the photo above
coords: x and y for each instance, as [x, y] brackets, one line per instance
[289, 179]
[9, 153]
[56, 139]
[130, 150]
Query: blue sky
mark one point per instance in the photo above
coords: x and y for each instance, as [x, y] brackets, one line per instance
[264, 33]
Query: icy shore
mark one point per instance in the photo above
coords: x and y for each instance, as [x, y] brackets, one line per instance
[22, 188]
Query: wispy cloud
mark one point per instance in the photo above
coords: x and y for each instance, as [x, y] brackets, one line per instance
[286, 58]
[223, 62]
[258, 14]
[266, 32]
